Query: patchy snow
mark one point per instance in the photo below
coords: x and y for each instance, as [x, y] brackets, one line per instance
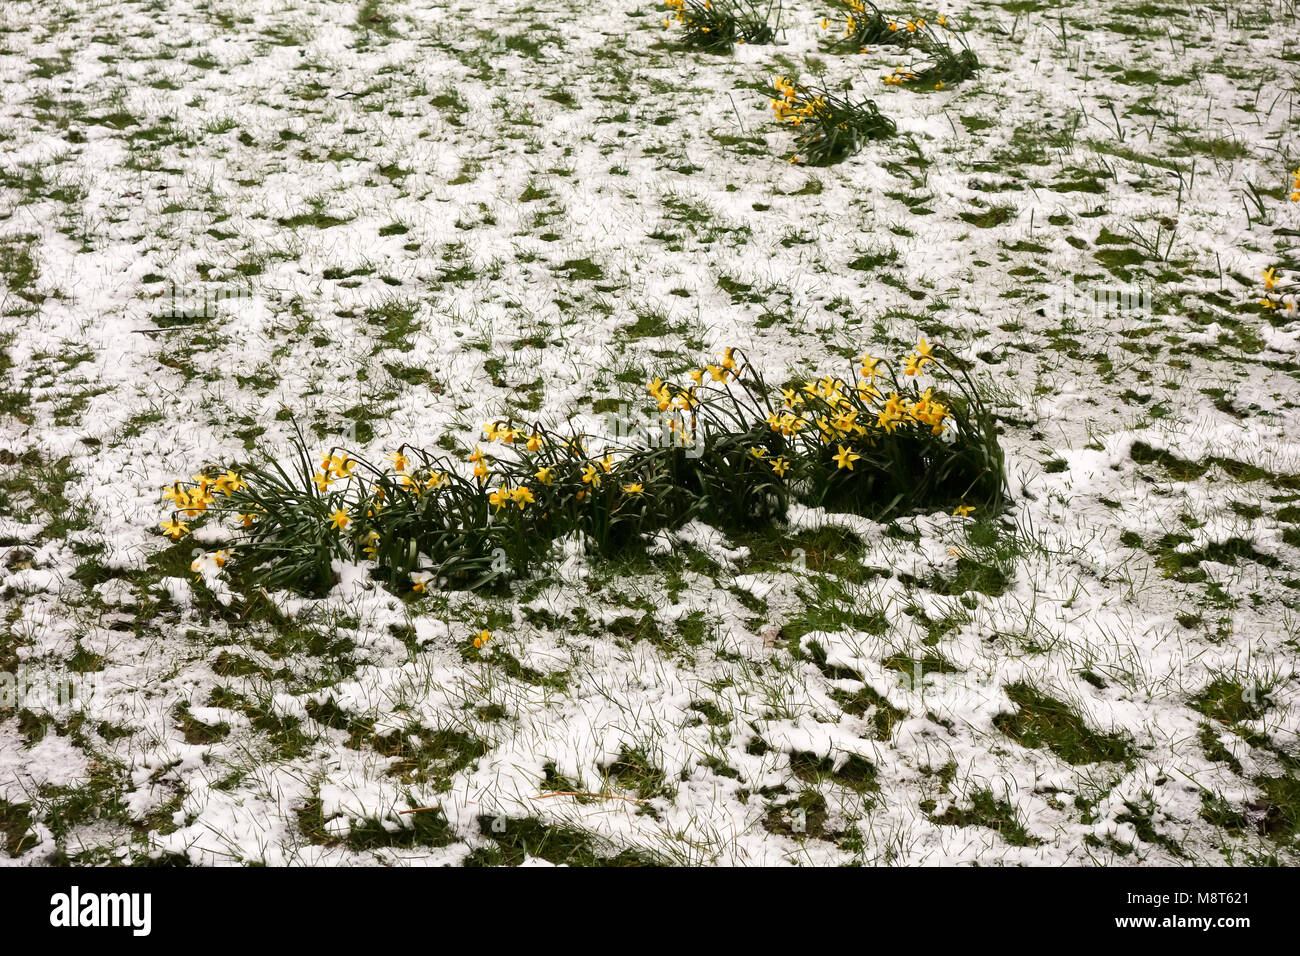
[398, 228]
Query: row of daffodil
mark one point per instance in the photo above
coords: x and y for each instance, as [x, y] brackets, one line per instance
[730, 453]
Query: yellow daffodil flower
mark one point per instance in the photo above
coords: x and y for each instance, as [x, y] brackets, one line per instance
[845, 458]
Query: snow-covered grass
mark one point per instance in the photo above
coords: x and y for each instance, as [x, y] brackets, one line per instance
[389, 222]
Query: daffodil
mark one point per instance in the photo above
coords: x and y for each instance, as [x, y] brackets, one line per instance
[891, 413]
[543, 475]
[339, 518]
[229, 483]
[174, 529]
[845, 458]
[963, 510]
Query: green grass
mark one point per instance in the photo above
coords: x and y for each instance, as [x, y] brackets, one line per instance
[16, 834]
[517, 839]
[1041, 721]
[854, 772]
[987, 811]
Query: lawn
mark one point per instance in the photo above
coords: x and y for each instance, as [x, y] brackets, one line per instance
[636, 433]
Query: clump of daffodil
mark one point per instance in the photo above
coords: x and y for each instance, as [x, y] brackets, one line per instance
[860, 24]
[887, 427]
[942, 58]
[719, 25]
[829, 126]
[945, 56]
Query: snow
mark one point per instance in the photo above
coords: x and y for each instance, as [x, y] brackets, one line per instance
[250, 113]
